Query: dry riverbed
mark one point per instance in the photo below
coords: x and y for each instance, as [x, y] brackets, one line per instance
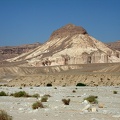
[107, 108]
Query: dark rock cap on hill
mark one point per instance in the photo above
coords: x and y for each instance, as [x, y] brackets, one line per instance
[68, 30]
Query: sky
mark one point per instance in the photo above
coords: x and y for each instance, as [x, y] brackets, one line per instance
[31, 21]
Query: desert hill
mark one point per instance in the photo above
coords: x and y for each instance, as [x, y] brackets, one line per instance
[70, 56]
[69, 45]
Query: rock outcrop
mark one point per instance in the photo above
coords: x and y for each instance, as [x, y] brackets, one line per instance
[70, 45]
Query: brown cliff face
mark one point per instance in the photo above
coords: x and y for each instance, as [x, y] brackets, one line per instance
[8, 52]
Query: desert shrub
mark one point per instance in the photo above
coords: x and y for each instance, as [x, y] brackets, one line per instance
[115, 92]
[20, 88]
[47, 95]
[73, 91]
[44, 98]
[92, 99]
[37, 105]
[36, 95]
[81, 84]
[2, 93]
[66, 101]
[49, 85]
[4, 115]
[64, 85]
[20, 94]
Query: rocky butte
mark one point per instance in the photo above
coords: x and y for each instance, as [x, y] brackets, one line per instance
[69, 45]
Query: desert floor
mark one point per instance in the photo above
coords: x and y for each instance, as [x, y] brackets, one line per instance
[21, 108]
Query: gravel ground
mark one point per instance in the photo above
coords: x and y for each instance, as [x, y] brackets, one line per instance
[21, 108]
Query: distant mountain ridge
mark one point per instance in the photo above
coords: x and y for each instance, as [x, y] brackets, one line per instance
[114, 45]
[8, 52]
[69, 44]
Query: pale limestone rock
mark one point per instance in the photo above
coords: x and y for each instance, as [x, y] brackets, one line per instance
[93, 109]
[68, 48]
[86, 108]
[100, 105]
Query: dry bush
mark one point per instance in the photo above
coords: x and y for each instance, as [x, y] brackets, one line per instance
[36, 95]
[81, 84]
[66, 101]
[21, 94]
[44, 99]
[37, 105]
[92, 99]
[4, 115]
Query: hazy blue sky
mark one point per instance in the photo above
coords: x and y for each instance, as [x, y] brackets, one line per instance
[30, 21]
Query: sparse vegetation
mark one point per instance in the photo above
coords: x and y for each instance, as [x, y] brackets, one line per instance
[44, 98]
[20, 88]
[20, 94]
[4, 115]
[74, 91]
[115, 92]
[92, 99]
[2, 93]
[47, 95]
[36, 95]
[64, 85]
[49, 85]
[37, 105]
[81, 84]
[66, 101]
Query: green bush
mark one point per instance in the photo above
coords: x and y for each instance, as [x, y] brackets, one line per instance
[4, 115]
[36, 95]
[66, 101]
[37, 105]
[44, 98]
[81, 84]
[115, 92]
[2, 93]
[92, 99]
[20, 94]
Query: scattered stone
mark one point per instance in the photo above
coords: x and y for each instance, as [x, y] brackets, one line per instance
[116, 116]
[94, 109]
[105, 111]
[86, 108]
[85, 102]
[94, 119]
[56, 115]
[21, 109]
[100, 105]
[36, 110]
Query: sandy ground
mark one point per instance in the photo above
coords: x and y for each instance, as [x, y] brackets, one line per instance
[21, 108]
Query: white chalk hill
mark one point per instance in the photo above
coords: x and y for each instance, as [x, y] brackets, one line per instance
[69, 45]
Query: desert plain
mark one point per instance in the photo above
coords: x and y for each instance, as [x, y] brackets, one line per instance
[20, 108]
